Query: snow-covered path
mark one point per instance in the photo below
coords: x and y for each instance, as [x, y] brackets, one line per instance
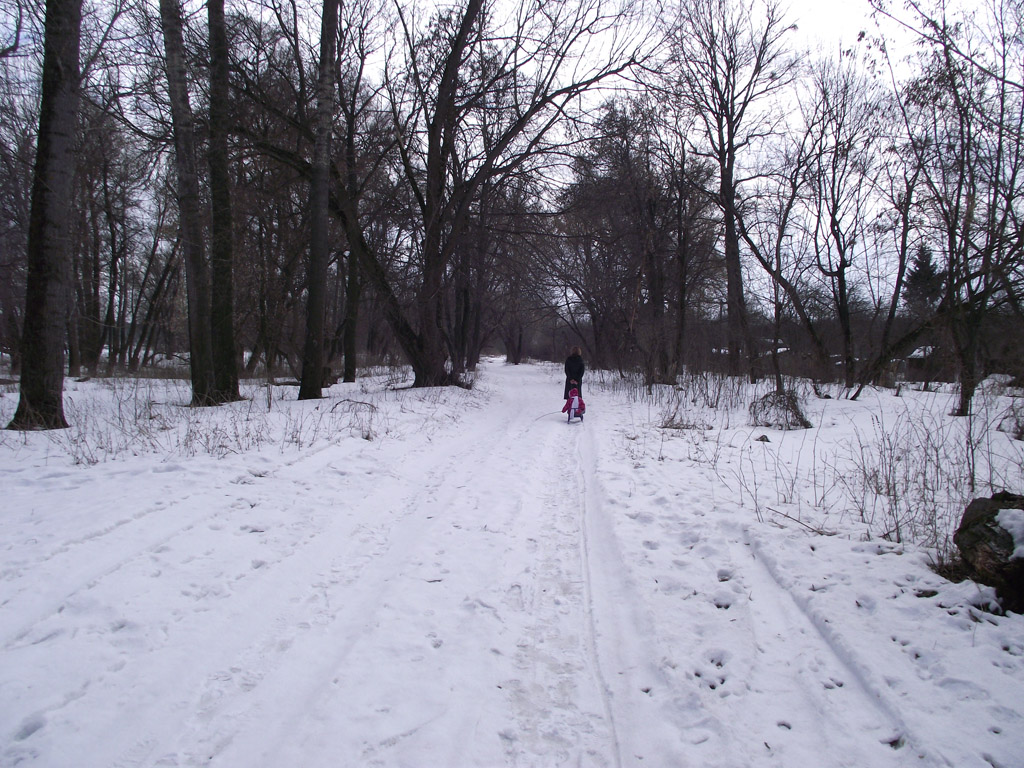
[480, 585]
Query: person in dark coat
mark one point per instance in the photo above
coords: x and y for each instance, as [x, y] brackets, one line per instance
[574, 370]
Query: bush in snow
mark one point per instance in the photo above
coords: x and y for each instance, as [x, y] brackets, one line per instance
[780, 410]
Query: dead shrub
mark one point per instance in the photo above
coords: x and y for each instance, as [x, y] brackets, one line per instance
[780, 410]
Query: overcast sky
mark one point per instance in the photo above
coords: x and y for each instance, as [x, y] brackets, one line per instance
[830, 22]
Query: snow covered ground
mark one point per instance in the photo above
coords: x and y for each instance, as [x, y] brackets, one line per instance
[449, 578]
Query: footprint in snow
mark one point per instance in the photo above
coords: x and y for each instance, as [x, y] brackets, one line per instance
[711, 682]
[723, 600]
[964, 690]
[708, 551]
[865, 602]
[30, 725]
[717, 659]
[514, 597]
[641, 517]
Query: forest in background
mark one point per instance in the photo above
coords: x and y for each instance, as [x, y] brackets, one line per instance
[280, 187]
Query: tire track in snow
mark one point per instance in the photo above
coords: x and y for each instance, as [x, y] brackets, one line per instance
[788, 612]
[107, 543]
[558, 700]
[801, 696]
[588, 504]
[516, 619]
[334, 597]
[643, 702]
[215, 616]
[411, 556]
[734, 646]
[65, 582]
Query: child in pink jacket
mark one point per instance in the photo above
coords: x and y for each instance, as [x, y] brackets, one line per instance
[574, 406]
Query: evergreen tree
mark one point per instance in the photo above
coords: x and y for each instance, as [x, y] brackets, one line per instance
[924, 284]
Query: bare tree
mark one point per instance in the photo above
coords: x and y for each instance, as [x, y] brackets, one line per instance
[366, 140]
[224, 359]
[19, 120]
[964, 115]
[732, 63]
[770, 228]
[845, 121]
[196, 273]
[319, 192]
[42, 379]
[620, 206]
[547, 56]
[273, 128]
[897, 186]
[10, 48]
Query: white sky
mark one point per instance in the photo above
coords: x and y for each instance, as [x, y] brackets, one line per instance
[828, 21]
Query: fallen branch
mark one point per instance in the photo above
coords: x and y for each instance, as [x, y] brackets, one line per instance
[811, 528]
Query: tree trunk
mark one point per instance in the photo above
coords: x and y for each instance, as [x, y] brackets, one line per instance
[113, 270]
[967, 341]
[429, 366]
[429, 363]
[92, 328]
[780, 386]
[196, 279]
[843, 309]
[682, 288]
[129, 359]
[353, 291]
[477, 337]
[225, 364]
[74, 348]
[41, 404]
[122, 323]
[155, 301]
[904, 206]
[460, 321]
[319, 199]
[736, 305]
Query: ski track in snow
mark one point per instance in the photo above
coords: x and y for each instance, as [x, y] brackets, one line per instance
[721, 654]
[497, 590]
